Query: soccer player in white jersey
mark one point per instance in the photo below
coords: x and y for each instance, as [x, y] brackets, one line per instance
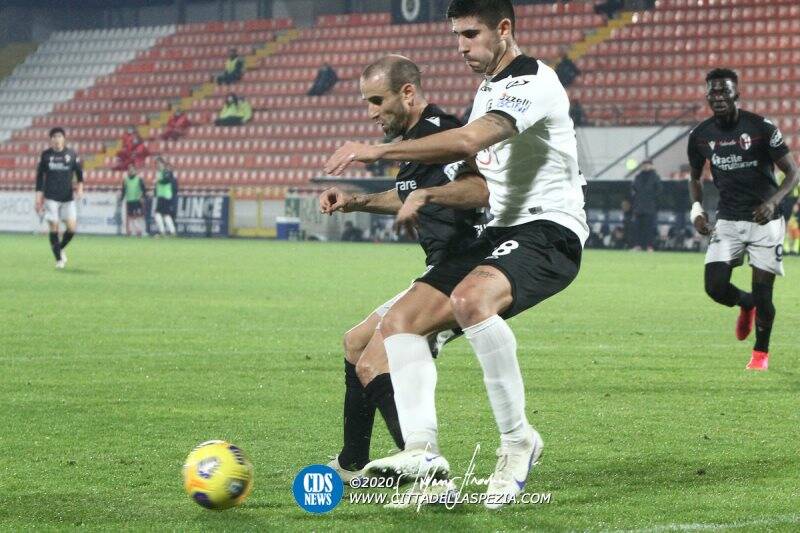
[521, 139]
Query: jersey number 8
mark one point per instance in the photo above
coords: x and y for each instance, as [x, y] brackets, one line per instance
[505, 249]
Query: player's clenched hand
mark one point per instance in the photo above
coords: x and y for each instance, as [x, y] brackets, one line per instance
[702, 226]
[331, 200]
[39, 205]
[407, 218]
[764, 213]
[346, 154]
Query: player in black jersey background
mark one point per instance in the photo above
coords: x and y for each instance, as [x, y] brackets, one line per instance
[392, 90]
[742, 149]
[54, 191]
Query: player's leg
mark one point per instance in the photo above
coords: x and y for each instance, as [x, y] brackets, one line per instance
[159, 218]
[53, 217]
[532, 262]
[170, 224]
[726, 251]
[372, 369]
[421, 311]
[766, 258]
[71, 221]
[359, 412]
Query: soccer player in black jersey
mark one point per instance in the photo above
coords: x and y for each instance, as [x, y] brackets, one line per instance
[742, 149]
[392, 89]
[54, 191]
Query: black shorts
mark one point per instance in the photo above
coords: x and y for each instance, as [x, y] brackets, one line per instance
[539, 258]
[134, 209]
[164, 206]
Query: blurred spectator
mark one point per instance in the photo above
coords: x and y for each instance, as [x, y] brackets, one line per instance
[566, 69]
[645, 191]
[235, 112]
[134, 194]
[326, 79]
[576, 114]
[166, 193]
[234, 69]
[177, 125]
[133, 151]
[352, 233]
[627, 223]
[608, 8]
[793, 231]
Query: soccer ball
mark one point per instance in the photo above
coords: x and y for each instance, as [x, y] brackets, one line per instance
[217, 475]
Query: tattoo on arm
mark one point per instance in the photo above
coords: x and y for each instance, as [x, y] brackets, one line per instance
[485, 274]
[499, 123]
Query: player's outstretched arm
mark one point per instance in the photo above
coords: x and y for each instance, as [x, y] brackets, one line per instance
[382, 203]
[467, 191]
[444, 147]
[764, 213]
[698, 215]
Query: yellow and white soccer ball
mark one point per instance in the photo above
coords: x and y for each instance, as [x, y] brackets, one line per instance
[217, 475]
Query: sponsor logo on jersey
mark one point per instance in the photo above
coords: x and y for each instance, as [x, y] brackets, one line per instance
[408, 185]
[745, 142]
[732, 162]
[776, 139]
[515, 83]
[513, 103]
[728, 142]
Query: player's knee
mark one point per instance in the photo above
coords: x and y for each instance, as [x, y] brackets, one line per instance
[716, 288]
[469, 307]
[353, 346]
[393, 323]
[365, 370]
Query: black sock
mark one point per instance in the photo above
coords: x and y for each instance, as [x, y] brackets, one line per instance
[359, 415]
[56, 247]
[66, 238]
[381, 393]
[746, 300]
[765, 314]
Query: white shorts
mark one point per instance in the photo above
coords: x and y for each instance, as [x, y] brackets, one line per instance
[55, 211]
[763, 244]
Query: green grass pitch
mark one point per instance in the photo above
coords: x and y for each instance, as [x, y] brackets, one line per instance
[113, 369]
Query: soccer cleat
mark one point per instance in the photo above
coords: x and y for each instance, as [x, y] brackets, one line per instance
[759, 361]
[61, 263]
[436, 341]
[409, 465]
[511, 473]
[744, 324]
[346, 475]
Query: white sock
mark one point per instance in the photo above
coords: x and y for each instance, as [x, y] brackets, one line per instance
[170, 224]
[496, 347]
[413, 376]
[159, 223]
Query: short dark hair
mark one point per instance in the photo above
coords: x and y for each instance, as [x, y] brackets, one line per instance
[398, 70]
[490, 12]
[57, 129]
[722, 74]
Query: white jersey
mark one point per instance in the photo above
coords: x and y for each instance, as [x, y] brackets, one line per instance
[533, 175]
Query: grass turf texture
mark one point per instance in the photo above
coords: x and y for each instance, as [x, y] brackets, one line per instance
[116, 367]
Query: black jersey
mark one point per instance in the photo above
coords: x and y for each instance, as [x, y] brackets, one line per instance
[54, 174]
[742, 158]
[442, 230]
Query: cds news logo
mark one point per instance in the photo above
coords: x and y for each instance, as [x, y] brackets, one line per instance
[318, 489]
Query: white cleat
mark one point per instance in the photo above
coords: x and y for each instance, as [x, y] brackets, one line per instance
[346, 475]
[511, 473]
[409, 465]
[61, 263]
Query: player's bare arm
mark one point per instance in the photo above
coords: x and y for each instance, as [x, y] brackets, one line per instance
[381, 203]
[445, 147]
[466, 191]
[699, 217]
[765, 212]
